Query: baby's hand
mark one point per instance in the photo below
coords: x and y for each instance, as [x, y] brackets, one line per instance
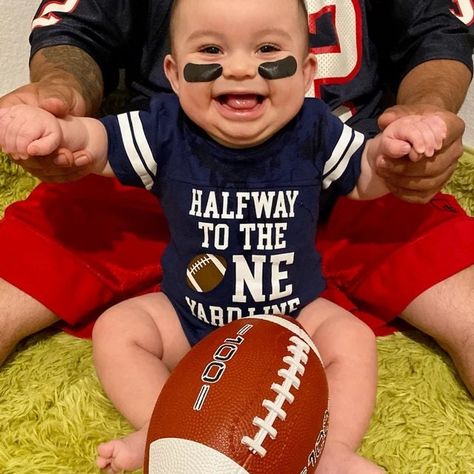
[415, 136]
[28, 131]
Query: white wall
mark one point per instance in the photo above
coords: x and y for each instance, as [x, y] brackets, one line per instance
[15, 20]
[14, 47]
[467, 113]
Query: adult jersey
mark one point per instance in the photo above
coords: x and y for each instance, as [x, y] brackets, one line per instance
[363, 48]
[242, 221]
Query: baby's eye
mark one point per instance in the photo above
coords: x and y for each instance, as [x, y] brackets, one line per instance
[210, 50]
[268, 48]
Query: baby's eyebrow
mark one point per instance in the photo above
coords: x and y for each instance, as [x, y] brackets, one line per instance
[274, 31]
[264, 33]
[197, 34]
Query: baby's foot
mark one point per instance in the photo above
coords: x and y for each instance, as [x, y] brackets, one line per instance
[124, 454]
[337, 458]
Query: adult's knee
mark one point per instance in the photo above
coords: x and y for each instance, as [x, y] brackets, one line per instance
[20, 316]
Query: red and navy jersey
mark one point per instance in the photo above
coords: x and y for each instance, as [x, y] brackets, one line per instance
[363, 48]
[242, 221]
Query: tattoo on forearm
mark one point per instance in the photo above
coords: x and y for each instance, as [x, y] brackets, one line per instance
[78, 65]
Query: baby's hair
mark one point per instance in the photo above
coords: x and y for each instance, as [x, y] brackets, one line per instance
[302, 8]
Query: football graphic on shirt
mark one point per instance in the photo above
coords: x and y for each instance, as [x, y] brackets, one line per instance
[205, 271]
[249, 398]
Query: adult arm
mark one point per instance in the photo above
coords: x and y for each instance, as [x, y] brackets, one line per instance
[75, 57]
[77, 48]
[412, 135]
[27, 131]
[430, 58]
[440, 83]
[65, 80]
[436, 86]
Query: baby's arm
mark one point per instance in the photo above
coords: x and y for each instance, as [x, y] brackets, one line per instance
[76, 141]
[415, 136]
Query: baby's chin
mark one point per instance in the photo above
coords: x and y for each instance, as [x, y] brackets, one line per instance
[240, 140]
[243, 134]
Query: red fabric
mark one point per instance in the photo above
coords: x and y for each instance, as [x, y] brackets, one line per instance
[379, 255]
[80, 247]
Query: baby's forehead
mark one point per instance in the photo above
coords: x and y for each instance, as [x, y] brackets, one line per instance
[301, 16]
[302, 9]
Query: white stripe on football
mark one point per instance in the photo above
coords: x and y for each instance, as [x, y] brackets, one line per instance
[193, 458]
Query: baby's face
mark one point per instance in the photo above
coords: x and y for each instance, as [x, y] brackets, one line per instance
[240, 67]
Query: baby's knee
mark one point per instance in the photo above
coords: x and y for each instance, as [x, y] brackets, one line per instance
[363, 331]
[109, 324]
[358, 334]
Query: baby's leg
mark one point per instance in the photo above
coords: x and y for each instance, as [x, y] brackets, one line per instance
[127, 453]
[136, 345]
[347, 347]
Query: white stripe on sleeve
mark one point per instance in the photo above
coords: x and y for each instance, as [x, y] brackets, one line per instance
[336, 173]
[339, 149]
[145, 169]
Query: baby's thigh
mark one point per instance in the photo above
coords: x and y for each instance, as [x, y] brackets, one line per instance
[322, 313]
[334, 330]
[148, 321]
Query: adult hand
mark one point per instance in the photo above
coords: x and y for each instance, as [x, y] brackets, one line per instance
[60, 167]
[59, 99]
[419, 181]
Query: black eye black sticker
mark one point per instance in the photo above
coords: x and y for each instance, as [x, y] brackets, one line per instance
[210, 72]
[278, 69]
[202, 72]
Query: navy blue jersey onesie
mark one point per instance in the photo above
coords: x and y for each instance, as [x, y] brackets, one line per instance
[239, 219]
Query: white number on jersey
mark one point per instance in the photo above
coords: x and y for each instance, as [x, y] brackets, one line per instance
[339, 61]
[47, 15]
[464, 10]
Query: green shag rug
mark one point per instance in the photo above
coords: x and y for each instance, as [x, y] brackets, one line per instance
[53, 412]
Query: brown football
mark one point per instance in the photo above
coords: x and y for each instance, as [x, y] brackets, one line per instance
[251, 397]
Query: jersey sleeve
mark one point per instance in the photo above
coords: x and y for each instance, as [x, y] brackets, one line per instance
[138, 141]
[102, 29]
[409, 33]
[339, 151]
[342, 169]
[130, 152]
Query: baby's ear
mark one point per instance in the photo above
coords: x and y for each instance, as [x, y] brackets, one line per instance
[309, 70]
[171, 72]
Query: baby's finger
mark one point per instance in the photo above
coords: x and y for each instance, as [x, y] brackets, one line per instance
[3, 112]
[421, 137]
[416, 136]
[431, 131]
[7, 138]
[82, 158]
[18, 156]
[395, 148]
[439, 129]
[43, 146]
[64, 158]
